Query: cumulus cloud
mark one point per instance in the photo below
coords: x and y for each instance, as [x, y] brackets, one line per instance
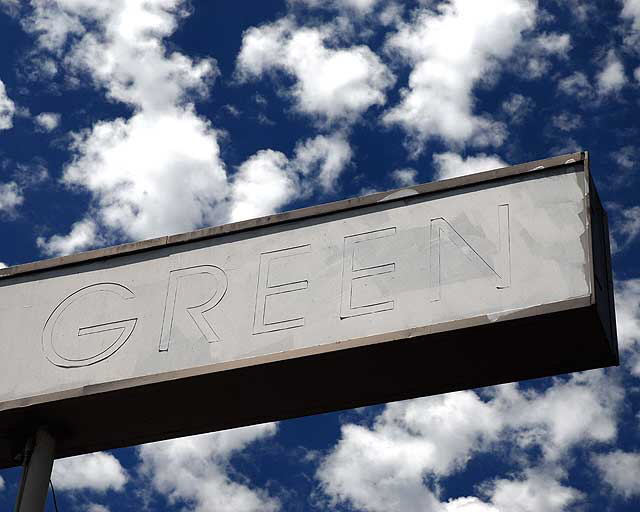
[625, 227]
[627, 300]
[10, 197]
[7, 109]
[536, 54]
[83, 235]
[31, 174]
[386, 466]
[47, 121]
[323, 156]
[535, 492]
[262, 185]
[96, 507]
[158, 171]
[351, 6]
[517, 107]
[268, 180]
[404, 177]
[99, 472]
[467, 504]
[151, 174]
[332, 84]
[567, 121]
[576, 84]
[620, 471]
[553, 43]
[611, 78]
[451, 49]
[11, 7]
[196, 470]
[450, 165]
[625, 157]
[631, 12]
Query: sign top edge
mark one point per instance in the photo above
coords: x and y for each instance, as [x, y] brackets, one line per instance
[288, 216]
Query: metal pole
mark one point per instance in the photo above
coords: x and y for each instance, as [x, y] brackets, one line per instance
[36, 472]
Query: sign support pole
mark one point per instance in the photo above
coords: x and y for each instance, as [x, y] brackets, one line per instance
[36, 472]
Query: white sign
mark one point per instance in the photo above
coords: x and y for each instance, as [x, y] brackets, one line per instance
[416, 263]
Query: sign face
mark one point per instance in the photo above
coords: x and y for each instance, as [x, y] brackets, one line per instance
[120, 346]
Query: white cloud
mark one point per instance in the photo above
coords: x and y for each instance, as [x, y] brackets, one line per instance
[83, 235]
[625, 157]
[386, 467]
[333, 84]
[352, 6]
[631, 12]
[450, 165]
[631, 9]
[152, 174]
[48, 121]
[11, 7]
[196, 470]
[451, 52]
[404, 177]
[577, 84]
[626, 227]
[536, 492]
[54, 22]
[7, 109]
[566, 145]
[517, 107]
[262, 185]
[611, 78]
[567, 121]
[31, 174]
[1, 479]
[535, 55]
[582, 409]
[3, 265]
[324, 156]
[99, 472]
[268, 180]
[627, 300]
[583, 10]
[96, 507]
[468, 504]
[553, 43]
[620, 470]
[10, 197]
[159, 171]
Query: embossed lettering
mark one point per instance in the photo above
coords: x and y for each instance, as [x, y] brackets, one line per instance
[196, 299]
[501, 269]
[67, 346]
[364, 274]
[277, 280]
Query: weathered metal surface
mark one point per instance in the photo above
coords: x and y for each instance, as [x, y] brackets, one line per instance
[347, 294]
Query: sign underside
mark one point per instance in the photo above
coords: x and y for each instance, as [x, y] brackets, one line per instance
[479, 280]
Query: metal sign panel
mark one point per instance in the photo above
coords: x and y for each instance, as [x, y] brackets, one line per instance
[472, 281]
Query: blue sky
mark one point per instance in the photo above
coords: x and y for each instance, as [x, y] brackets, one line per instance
[126, 120]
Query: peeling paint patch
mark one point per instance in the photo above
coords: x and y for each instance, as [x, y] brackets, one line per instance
[398, 194]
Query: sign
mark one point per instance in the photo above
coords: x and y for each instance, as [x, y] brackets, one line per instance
[489, 278]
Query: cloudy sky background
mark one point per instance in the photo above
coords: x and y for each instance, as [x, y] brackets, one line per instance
[130, 119]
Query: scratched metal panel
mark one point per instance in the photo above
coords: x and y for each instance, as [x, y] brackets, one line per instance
[509, 247]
